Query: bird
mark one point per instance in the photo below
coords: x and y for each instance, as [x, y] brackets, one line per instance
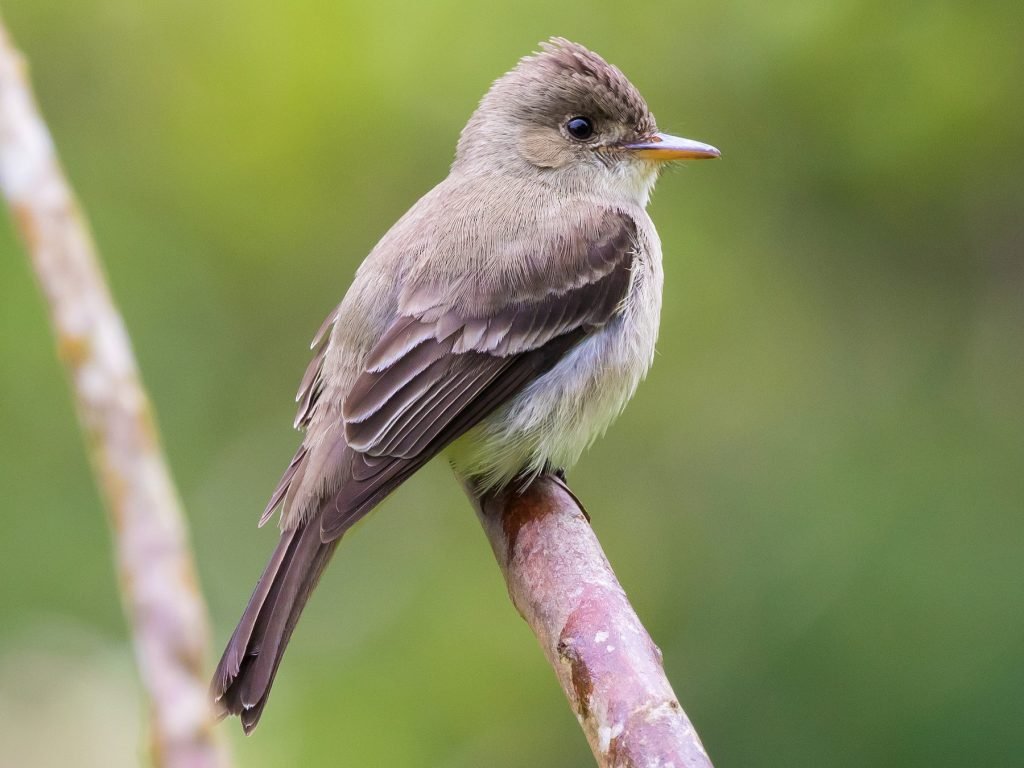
[504, 321]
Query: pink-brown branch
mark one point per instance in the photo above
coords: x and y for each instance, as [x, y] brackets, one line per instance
[560, 581]
[157, 577]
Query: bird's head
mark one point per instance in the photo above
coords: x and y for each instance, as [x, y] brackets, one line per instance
[578, 120]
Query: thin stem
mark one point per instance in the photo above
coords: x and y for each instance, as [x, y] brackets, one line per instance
[610, 670]
[159, 588]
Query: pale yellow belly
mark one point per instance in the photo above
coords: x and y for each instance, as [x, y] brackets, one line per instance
[551, 422]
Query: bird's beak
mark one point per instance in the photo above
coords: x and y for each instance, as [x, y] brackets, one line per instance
[661, 147]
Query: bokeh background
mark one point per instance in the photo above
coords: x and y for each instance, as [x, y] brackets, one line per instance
[816, 501]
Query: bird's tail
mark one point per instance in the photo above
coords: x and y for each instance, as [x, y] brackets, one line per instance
[241, 684]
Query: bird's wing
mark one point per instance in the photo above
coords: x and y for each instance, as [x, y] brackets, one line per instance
[458, 349]
[451, 357]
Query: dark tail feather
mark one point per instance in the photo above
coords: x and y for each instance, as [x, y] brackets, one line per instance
[241, 684]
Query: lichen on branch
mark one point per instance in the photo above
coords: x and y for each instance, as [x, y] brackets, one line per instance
[609, 668]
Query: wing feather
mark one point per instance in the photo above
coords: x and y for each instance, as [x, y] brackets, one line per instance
[443, 367]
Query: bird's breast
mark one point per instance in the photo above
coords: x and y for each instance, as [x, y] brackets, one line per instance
[551, 422]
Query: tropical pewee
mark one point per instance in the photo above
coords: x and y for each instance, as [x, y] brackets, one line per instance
[505, 320]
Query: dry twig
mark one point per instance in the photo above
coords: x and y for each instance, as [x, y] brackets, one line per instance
[611, 671]
[158, 579]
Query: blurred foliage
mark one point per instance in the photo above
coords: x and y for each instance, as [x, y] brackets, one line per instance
[815, 501]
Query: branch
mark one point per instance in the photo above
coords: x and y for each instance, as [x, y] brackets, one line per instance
[157, 576]
[611, 671]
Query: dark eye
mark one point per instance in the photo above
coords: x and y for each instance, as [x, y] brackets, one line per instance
[580, 128]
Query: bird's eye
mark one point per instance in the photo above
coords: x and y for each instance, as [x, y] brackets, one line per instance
[580, 128]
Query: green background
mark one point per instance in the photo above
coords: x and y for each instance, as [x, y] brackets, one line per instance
[816, 501]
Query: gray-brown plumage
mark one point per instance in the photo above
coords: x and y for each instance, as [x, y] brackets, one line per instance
[505, 320]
